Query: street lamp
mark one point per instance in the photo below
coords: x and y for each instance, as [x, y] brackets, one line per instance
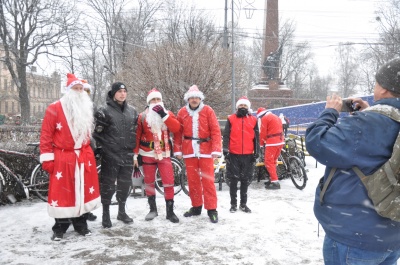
[249, 10]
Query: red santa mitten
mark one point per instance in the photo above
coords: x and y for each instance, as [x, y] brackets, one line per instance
[48, 166]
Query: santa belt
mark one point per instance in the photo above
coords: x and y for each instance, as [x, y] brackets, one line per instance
[274, 135]
[151, 144]
[199, 140]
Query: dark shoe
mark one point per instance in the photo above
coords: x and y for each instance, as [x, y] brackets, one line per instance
[124, 218]
[106, 221]
[213, 214]
[170, 211]
[244, 208]
[153, 208]
[273, 186]
[233, 208]
[84, 232]
[193, 211]
[91, 217]
[57, 236]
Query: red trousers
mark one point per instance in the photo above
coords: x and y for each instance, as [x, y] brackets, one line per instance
[200, 175]
[164, 166]
[271, 159]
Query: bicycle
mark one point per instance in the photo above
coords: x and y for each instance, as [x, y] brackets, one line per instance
[219, 174]
[289, 166]
[178, 168]
[21, 174]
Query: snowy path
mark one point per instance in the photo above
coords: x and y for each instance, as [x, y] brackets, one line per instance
[281, 229]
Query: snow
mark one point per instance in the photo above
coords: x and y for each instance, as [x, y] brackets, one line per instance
[281, 229]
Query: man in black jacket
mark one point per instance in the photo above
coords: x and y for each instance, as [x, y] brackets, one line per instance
[241, 148]
[115, 132]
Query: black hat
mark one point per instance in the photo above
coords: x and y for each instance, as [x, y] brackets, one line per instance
[115, 87]
[388, 75]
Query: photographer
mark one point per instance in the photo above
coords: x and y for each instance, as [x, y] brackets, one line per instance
[354, 231]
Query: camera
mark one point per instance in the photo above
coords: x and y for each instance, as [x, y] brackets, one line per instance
[347, 106]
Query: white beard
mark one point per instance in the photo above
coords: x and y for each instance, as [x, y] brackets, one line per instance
[79, 111]
[154, 120]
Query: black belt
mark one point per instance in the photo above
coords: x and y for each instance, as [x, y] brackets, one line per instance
[151, 144]
[274, 135]
[199, 140]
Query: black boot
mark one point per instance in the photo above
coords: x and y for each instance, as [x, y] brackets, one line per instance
[193, 211]
[170, 211]
[153, 208]
[122, 216]
[106, 221]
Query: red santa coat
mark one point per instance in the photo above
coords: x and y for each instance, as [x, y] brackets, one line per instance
[74, 186]
[271, 133]
[201, 123]
[143, 133]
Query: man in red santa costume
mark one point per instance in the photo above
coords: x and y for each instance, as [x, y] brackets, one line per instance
[271, 138]
[199, 143]
[152, 143]
[65, 153]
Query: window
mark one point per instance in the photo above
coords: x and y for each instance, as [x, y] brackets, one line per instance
[5, 84]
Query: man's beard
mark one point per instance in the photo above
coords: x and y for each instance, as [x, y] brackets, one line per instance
[79, 108]
[154, 120]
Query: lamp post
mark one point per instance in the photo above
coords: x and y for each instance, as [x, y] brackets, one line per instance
[249, 10]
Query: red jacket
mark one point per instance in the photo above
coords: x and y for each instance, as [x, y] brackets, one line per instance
[271, 132]
[144, 134]
[241, 137]
[198, 124]
[71, 194]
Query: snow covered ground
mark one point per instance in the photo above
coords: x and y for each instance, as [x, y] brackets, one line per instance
[281, 229]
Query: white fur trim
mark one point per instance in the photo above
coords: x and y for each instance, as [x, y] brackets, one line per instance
[261, 113]
[153, 95]
[243, 101]
[192, 94]
[46, 157]
[76, 82]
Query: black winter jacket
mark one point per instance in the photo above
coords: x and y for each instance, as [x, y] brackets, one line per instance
[115, 130]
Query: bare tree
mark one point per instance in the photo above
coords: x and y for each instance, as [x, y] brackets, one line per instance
[347, 69]
[29, 28]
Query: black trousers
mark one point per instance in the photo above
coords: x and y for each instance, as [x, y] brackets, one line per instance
[62, 224]
[239, 168]
[115, 171]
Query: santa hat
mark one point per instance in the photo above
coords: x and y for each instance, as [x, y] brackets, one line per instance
[72, 80]
[261, 111]
[193, 92]
[86, 86]
[243, 100]
[154, 93]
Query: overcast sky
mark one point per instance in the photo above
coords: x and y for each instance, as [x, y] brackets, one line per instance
[323, 23]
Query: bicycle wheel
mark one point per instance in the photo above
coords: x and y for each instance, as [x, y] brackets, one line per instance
[184, 181]
[40, 182]
[297, 172]
[177, 168]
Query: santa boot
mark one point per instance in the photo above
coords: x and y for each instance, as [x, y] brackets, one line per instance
[153, 208]
[170, 211]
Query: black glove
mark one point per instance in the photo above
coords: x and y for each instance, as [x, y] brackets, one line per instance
[160, 111]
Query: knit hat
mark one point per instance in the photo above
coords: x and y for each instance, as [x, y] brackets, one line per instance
[388, 75]
[115, 87]
[193, 92]
[154, 93]
[71, 81]
[261, 111]
[243, 100]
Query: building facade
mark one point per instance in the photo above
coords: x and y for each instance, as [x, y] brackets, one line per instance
[43, 90]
